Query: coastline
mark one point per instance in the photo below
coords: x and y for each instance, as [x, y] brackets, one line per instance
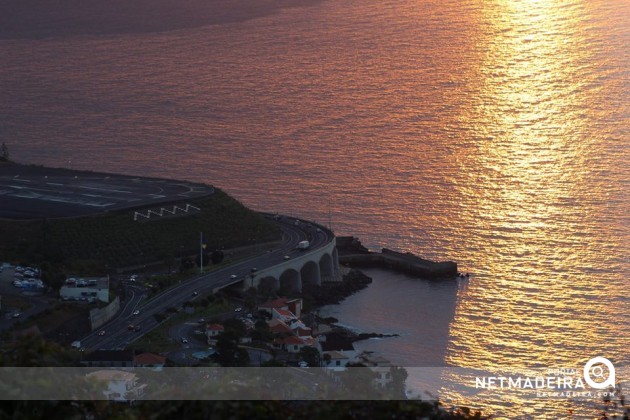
[333, 294]
[420, 313]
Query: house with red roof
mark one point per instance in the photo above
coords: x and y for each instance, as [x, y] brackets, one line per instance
[278, 327]
[293, 343]
[292, 305]
[212, 331]
[302, 332]
[284, 315]
[149, 360]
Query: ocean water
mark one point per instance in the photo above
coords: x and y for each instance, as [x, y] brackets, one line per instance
[491, 133]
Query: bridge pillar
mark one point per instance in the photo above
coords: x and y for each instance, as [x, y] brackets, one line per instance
[310, 273]
[291, 281]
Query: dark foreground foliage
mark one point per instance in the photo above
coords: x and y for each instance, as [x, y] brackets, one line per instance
[329, 410]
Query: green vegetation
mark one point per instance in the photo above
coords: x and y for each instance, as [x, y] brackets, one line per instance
[231, 409]
[60, 322]
[116, 240]
[33, 351]
[158, 340]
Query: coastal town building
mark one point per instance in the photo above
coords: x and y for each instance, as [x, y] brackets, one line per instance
[87, 289]
[212, 332]
[292, 343]
[149, 360]
[292, 305]
[118, 385]
[378, 365]
[283, 315]
[336, 360]
[278, 327]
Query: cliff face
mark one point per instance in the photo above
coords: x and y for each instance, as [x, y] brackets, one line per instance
[350, 245]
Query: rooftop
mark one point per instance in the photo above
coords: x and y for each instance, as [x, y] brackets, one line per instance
[150, 359]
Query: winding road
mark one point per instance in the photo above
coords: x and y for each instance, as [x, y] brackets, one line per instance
[119, 336]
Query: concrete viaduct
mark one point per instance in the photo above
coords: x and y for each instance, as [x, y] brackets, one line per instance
[311, 266]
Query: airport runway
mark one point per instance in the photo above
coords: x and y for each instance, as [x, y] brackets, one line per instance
[28, 192]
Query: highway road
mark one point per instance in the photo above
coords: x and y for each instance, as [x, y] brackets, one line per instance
[119, 336]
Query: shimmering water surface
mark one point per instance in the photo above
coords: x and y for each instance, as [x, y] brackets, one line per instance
[490, 132]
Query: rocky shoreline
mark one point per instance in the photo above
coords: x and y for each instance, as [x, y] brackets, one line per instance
[333, 293]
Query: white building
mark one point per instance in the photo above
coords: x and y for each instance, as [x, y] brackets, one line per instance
[85, 289]
[120, 385]
[336, 359]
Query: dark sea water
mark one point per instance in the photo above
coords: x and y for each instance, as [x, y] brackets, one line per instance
[492, 133]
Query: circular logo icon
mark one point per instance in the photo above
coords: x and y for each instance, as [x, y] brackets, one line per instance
[593, 369]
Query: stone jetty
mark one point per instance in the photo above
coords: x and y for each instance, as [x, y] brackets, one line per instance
[354, 254]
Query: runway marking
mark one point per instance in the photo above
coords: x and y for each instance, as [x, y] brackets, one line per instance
[103, 189]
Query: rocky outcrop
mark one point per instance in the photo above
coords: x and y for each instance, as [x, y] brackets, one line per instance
[335, 292]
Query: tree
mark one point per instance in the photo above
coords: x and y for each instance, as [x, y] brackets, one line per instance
[359, 380]
[35, 351]
[327, 359]
[262, 332]
[236, 326]
[4, 152]
[228, 351]
[217, 256]
[206, 259]
[397, 386]
[310, 355]
[52, 275]
[272, 363]
[186, 264]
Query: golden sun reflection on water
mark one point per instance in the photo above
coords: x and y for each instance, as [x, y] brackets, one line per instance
[532, 189]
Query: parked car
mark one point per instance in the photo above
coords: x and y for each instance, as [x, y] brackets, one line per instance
[286, 257]
[136, 312]
[184, 341]
[16, 315]
[239, 309]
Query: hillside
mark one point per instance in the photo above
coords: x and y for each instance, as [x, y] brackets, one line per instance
[117, 240]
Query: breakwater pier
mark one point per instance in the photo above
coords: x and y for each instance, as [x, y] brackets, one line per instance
[353, 254]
